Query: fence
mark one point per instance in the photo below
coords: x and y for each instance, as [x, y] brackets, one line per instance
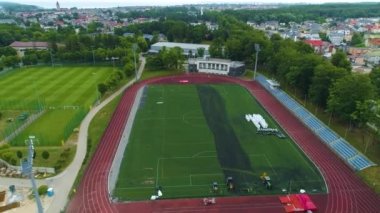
[336, 143]
[30, 110]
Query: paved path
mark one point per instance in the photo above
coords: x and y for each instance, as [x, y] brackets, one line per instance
[63, 182]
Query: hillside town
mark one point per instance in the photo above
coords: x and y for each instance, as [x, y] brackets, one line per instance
[358, 37]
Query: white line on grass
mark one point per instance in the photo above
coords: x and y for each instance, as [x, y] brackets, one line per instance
[209, 156]
[199, 153]
[172, 186]
[269, 163]
[158, 164]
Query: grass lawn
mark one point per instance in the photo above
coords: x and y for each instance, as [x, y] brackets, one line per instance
[62, 89]
[95, 132]
[155, 73]
[54, 155]
[198, 134]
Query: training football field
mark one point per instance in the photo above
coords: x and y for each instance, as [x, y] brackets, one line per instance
[66, 93]
[185, 137]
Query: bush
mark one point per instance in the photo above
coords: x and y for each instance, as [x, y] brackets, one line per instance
[102, 88]
[1, 115]
[42, 190]
[13, 161]
[64, 155]
[7, 156]
[19, 154]
[5, 146]
[57, 167]
[45, 155]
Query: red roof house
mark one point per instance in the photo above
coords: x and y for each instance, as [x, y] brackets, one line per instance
[315, 44]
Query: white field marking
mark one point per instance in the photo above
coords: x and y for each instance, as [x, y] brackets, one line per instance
[172, 186]
[307, 181]
[182, 143]
[185, 118]
[160, 118]
[211, 174]
[267, 160]
[206, 156]
[158, 164]
[199, 153]
[269, 163]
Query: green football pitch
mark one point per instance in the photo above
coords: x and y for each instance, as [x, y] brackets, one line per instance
[185, 137]
[66, 93]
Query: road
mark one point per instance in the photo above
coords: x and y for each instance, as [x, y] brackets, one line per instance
[63, 182]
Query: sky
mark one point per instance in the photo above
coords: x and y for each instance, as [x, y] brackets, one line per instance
[115, 3]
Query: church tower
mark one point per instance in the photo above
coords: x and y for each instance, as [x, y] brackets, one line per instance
[58, 7]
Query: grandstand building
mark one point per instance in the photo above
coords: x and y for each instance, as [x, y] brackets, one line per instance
[188, 49]
[216, 66]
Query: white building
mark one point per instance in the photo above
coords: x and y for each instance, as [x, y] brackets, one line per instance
[216, 66]
[188, 49]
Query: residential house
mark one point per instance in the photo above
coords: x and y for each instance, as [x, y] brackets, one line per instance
[317, 45]
[372, 57]
[336, 37]
[21, 47]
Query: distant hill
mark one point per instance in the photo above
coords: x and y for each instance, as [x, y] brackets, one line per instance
[15, 7]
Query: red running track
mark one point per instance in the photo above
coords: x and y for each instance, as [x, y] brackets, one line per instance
[347, 193]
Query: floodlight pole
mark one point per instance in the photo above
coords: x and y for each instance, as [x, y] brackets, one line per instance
[27, 169]
[134, 47]
[51, 58]
[93, 56]
[257, 49]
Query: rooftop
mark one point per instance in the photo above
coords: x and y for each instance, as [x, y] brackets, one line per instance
[182, 45]
[30, 44]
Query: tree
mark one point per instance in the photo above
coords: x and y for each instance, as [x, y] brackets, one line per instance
[364, 113]
[143, 45]
[216, 48]
[6, 38]
[200, 52]
[324, 37]
[7, 51]
[30, 59]
[339, 59]
[102, 88]
[129, 69]
[233, 49]
[172, 58]
[375, 79]
[325, 75]
[94, 27]
[11, 61]
[357, 40]
[42, 190]
[348, 90]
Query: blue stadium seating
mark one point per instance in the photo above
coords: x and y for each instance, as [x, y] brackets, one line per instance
[355, 159]
[360, 162]
[343, 149]
[302, 113]
[315, 124]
